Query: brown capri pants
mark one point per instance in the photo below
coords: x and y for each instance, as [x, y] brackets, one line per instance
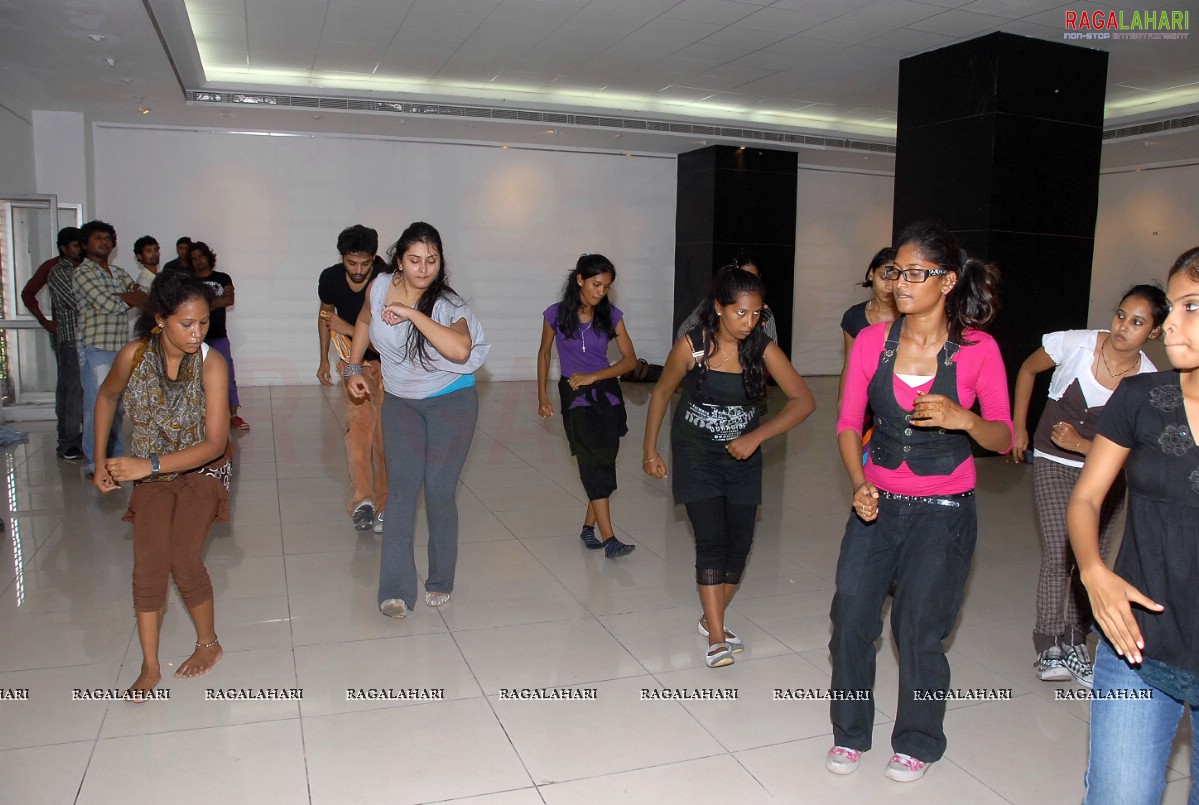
[170, 523]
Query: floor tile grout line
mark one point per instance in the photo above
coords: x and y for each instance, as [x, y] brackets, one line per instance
[295, 668]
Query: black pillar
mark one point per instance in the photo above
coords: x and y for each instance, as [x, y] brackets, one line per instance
[730, 199]
[999, 140]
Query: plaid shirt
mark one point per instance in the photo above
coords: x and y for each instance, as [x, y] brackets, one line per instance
[103, 318]
[62, 296]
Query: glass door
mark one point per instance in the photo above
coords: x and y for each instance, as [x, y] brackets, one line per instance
[28, 234]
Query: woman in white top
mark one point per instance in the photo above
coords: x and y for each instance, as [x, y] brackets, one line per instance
[1088, 365]
[429, 346]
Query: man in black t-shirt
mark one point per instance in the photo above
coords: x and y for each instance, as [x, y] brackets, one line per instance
[342, 289]
[203, 265]
[183, 261]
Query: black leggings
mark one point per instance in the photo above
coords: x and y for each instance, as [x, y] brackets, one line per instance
[724, 533]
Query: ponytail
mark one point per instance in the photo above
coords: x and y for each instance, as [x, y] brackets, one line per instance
[974, 301]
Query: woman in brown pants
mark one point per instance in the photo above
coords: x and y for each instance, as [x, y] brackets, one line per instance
[177, 400]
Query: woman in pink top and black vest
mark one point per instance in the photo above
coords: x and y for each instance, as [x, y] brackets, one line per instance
[914, 521]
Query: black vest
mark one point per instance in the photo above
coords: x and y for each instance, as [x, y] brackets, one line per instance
[927, 451]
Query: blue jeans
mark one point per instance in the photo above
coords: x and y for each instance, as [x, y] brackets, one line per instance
[93, 368]
[426, 442]
[1131, 738]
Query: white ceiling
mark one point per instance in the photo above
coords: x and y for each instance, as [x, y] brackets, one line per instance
[828, 67]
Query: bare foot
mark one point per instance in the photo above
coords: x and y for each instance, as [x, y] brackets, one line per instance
[145, 682]
[200, 662]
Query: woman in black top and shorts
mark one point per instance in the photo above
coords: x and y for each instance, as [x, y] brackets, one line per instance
[715, 437]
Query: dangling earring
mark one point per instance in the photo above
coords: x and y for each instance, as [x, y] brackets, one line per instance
[156, 329]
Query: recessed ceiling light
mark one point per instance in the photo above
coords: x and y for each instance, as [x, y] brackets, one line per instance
[95, 37]
[145, 110]
[110, 61]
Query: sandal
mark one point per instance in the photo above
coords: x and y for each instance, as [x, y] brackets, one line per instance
[735, 643]
[436, 599]
[719, 654]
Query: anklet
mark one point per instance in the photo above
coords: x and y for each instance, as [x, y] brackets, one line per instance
[207, 645]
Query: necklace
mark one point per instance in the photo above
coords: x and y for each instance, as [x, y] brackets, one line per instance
[929, 345]
[1135, 362]
[583, 334]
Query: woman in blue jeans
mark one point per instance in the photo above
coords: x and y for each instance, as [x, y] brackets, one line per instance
[429, 346]
[1147, 664]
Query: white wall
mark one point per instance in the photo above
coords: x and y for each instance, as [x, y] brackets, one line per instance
[1146, 219]
[60, 141]
[17, 176]
[842, 219]
[513, 221]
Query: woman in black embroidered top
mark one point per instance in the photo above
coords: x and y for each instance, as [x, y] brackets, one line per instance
[715, 437]
[1148, 655]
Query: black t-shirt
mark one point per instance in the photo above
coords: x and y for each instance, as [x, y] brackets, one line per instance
[1160, 551]
[334, 289]
[854, 320]
[217, 281]
[173, 265]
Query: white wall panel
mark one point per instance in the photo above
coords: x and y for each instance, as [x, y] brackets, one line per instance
[513, 221]
[842, 219]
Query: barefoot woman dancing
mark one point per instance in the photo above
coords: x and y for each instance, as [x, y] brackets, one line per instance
[177, 398]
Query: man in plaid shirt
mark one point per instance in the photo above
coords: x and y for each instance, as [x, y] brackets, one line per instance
[104, 295]
[68, 393]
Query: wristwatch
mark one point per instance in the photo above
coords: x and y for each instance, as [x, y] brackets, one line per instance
[154, 467]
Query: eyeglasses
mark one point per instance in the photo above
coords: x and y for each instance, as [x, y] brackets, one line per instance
[912, 274]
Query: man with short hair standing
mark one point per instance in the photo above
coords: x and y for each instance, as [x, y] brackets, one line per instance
[146, 252]
[104, 294]
[183, 261]
[342, 290]
[68, 393]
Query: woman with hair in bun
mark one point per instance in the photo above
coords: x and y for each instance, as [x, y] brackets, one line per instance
[177, 399]
[879, 307]
[914, 521]
[715, 439]
[582, 324]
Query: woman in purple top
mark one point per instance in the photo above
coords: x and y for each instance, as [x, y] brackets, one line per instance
[593, 414]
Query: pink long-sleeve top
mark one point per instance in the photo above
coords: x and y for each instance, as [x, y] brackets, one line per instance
[981, 377]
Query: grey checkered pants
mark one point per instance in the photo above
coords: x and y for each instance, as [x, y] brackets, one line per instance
[1063, 609]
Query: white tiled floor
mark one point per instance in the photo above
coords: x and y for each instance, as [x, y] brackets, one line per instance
[295, 600]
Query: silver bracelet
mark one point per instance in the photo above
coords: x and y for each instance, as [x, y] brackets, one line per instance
[352, 369]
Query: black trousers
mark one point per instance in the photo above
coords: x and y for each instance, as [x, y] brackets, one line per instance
[926, 549]
[724, 533]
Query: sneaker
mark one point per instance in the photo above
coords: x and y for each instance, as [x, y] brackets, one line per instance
[842, 760]
[363, 516]
[614, 548]
[71, 454]
[394, 608]
[1050, 667]
[237, 423]
[1077, 661]
[905, 768]
[378, 526]
[587, 534]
